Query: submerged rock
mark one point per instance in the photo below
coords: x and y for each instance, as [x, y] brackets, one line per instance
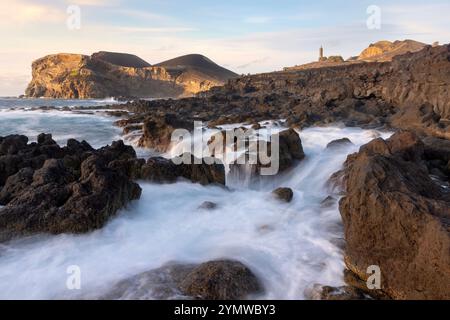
[328, 202]
[283, 194]
[214, 280]
[339, 143]
[395, 216]
[48, 189]
[208, 205]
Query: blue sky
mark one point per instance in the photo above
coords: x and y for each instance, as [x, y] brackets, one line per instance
[245, 36]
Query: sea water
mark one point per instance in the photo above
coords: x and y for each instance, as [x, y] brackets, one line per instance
[290, 247]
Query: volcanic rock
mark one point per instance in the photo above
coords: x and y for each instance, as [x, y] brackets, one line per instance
[214, 280]
[395, 216]
[283, 194]
[48, 189]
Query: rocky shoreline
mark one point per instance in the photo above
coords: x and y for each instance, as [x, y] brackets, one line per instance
[396, 192]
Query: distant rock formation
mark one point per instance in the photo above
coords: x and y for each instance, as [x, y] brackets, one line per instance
[380, 51]
[110, 74]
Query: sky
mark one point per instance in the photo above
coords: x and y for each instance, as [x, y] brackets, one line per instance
[250, 36]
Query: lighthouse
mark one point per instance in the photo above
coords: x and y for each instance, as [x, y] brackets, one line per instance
[321, 57]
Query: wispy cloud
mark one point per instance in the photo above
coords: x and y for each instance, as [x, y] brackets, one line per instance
[124, 29]
[143, 15]
[25, 12]
[257, 20]
[94, 3]
[253, 62]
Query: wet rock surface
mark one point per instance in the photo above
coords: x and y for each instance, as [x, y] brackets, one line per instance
[290, 152]
[49, 189]
[340, 143]
[397, 217]
[158, 129]
[213, 280]
[283, 194]
[204, 171]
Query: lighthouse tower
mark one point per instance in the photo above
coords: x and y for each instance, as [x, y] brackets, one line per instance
[321, 57]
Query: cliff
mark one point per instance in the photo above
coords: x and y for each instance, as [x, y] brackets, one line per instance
[108, 74]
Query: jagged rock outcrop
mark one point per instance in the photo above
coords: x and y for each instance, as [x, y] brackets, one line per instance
[49, 189]
[397, 216]
[290, 151]
[158, 129]
[108, 74]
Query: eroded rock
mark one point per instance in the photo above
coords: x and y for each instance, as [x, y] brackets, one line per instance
[395, 216]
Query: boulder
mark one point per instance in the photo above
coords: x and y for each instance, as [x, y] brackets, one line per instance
[339, 143]
[213, 280]
[395, 216]
[220, 280]
[158, 131]
[290, 151]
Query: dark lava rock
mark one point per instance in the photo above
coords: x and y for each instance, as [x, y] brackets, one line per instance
[162, 284]
[283, 194]
[395, 216]
[290, 152]
[48, 189]
[339, 143]
[158, 130]
[214, 280]
[163, 170]
[220, 280]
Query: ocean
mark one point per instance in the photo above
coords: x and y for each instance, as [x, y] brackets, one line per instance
[290, 247]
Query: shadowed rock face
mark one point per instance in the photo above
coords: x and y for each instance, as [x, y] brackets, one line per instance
[110, 74]
[49, 189]
[397, 217]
